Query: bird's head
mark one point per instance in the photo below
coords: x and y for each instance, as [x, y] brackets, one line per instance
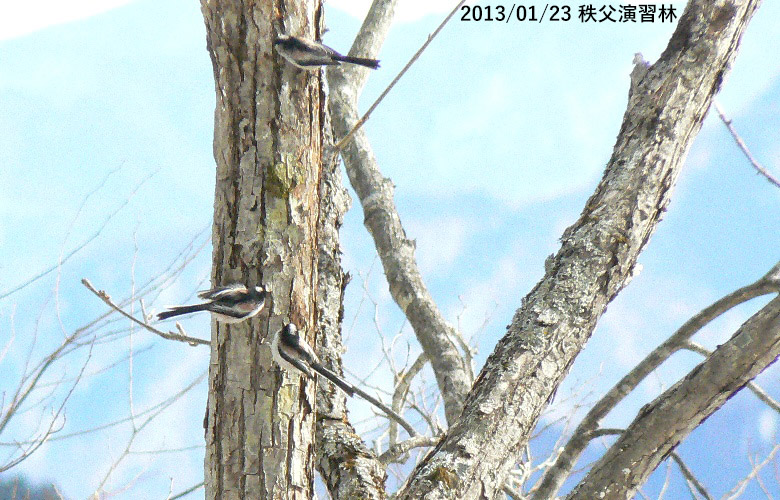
[282, 39]
[257, 292]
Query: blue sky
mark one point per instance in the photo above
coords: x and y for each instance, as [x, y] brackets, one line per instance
[494, 139]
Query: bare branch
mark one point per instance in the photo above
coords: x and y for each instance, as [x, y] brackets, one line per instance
[402, 389]
[32, 392]
[468, 350]
[557, 474]
[86, 242]
[151, 410]
[662, 424]
[150, 414]
[343, 142]
[754, 388]
[596, 260]
[404, 447]
[164, 451]
[11, 338]
[186, 492]
[180, 337]
[395, 250]
[736, 492]
[667, 478]
[759, 168]
[36, 443]
[689, 477]
[28, 384]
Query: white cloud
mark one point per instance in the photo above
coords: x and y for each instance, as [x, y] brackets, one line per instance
[22, 18]
[767, 425]
[439, 242]
[491, 299]
[624, 324]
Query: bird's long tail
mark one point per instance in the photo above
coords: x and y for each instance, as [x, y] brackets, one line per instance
[351, 390]
[178, 310]
[340, 382]
[369, 63]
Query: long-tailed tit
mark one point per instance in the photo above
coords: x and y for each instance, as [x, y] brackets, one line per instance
[293, 353]
[228, 304]
[311, 55]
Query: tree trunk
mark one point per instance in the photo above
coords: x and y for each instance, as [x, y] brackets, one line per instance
[267, 145]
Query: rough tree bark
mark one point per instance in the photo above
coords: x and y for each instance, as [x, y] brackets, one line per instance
[267, 146]
[555, 476]
[346, 465]
[667, 104]
[662, 424]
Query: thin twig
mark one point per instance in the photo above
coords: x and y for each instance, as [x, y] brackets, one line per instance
[169, 336]
[136, 431]
[689, 477]
[11, 338]
[760, 481]
[404, 447]
[759, 168]
[86, 242]
[343, 141]
[402, 389]
[187, 491]
[38, 442]
[740, 486]
[152, 409]
[667, 478]
[168, 450]
[28, 384]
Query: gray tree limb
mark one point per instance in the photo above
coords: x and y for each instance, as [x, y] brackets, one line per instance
[396, 251]
[557, 474]
[662, 424]
[665, 110]
[742, 146]
[756, 389]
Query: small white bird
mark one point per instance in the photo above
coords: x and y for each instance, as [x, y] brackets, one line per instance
[293, 353]
[311, 55]
[229, 304]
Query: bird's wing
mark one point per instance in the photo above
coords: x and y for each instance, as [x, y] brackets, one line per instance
[231, 312]
[316, 47]
[233, 291]
[286, 354]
